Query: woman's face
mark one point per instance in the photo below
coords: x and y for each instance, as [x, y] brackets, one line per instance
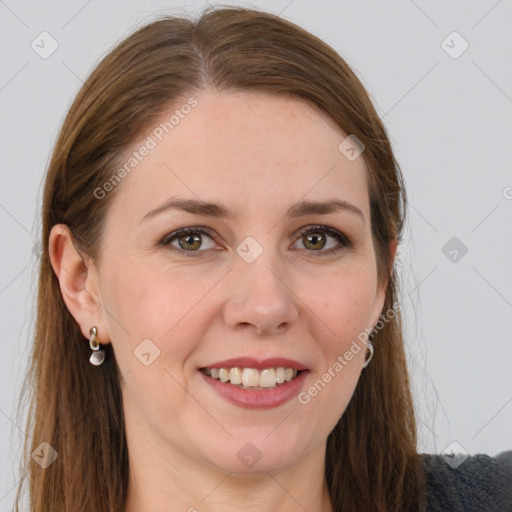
[262, 274]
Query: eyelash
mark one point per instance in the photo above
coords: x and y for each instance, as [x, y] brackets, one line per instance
[344, 241]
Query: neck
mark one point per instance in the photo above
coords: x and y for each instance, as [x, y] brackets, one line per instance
[165, 480]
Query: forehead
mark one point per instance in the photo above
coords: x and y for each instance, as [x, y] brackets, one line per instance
[247, 148]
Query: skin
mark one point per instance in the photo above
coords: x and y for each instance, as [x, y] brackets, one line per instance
[257, 154]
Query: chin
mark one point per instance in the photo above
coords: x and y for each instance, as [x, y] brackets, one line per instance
[257, 451]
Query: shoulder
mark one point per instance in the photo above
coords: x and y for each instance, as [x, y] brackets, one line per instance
[477, 483]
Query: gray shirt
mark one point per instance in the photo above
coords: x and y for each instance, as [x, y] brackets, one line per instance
[480, 484]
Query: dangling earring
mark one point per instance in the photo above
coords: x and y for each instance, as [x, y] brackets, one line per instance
[98, 356]
[369, 347]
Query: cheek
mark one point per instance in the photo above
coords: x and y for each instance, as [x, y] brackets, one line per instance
[167, 309]
[162, 305]
[345, 305]
[344, 312]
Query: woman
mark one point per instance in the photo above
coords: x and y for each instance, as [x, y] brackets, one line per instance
[218, 325]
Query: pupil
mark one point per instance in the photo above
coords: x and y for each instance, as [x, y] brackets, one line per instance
[190, 242]
[316, 239]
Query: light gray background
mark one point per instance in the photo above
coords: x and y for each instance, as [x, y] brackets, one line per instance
[450, 121]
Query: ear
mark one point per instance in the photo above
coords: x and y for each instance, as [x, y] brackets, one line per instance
[78, 282]
[380, 296]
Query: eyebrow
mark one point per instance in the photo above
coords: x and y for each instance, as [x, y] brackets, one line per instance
[300, 209]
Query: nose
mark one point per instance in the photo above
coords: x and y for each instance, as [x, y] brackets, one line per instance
[260, 299]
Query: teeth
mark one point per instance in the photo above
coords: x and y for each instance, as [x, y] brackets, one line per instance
[268, 378]
[224, 375]
[251, 377]
[280, 375]
[235, 376]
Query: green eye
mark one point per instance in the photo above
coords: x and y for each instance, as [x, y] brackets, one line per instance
[317, 239]
[324, 240]
[314, 241]
[189, 240]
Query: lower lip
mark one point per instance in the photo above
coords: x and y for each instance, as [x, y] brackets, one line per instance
[258, 399]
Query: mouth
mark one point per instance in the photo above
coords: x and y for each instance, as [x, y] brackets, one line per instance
[254, 384]
[252, 378]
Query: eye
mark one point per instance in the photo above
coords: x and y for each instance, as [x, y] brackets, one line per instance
[319, 239]
[324, 239]
[189, 240]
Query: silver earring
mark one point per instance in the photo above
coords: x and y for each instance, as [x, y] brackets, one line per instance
[97, 356]
[369, 346]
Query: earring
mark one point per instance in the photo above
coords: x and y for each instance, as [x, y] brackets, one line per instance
[98, 356]
[369, 346]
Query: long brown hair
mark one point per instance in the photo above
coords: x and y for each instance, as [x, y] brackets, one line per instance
[372, 461]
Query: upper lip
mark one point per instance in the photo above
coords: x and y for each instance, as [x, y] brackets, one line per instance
[258, 364]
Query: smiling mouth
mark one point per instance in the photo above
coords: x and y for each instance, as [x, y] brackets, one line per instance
[251, 378]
